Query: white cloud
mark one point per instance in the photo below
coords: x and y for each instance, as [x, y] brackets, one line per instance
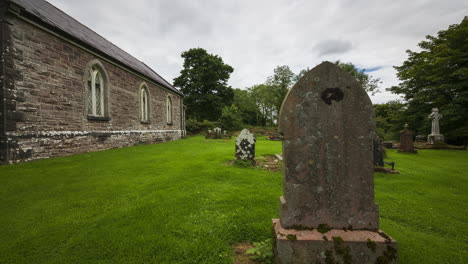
[256, 36]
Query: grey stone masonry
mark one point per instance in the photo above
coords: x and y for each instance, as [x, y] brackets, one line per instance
[245, 145]
[43, 102]
[327, 122]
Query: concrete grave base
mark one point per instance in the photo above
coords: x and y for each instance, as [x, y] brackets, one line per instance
[335, 246]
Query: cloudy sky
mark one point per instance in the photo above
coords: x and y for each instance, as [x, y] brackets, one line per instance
[255, 36]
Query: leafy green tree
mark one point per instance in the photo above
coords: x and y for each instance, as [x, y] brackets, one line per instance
[231, 118]
[266, 101]
[390, 119]
[437, 76]
[298, 76]
[244, 100]
[280, 83]
[369, 83]
[203, 80]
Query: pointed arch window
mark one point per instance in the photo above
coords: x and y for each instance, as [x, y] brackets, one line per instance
[169, 110]
[144, 104]
[95, 94]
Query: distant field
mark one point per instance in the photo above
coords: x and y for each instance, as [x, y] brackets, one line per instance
[179, 202]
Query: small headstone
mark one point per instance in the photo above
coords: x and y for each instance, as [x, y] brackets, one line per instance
[406, 141]
[378, 151]
[327, 123]
[217, 133]
[245, 146]
[435, 137]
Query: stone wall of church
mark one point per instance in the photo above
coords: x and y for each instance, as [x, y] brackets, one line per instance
[46, 104]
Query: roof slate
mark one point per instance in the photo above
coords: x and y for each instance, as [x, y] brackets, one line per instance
[58, 19]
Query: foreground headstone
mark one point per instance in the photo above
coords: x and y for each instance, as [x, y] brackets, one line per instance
[406, 141]
[435, 137]
[327, 123]
[245, 146]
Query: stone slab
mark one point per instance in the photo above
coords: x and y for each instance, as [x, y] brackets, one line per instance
[335, 246]
[327, 123]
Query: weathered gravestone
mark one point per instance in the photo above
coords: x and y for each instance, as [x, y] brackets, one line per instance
[378, 151]
[327, 122]
[214, 134]
[245, 146]
[406, 141]
[435, 137]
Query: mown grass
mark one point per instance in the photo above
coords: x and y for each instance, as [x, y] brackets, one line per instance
[179, 202]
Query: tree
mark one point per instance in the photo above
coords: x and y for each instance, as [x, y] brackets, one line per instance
[244, 100]
[369, 83]
[298, 76]
[265, 101]
[437, 77]
[280, 83]
[203, 80]
[390, 119]
[231, 118]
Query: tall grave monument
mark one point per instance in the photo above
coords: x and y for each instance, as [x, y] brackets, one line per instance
[327, 213]
[435, 137]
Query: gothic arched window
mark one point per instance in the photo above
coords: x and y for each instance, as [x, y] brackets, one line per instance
[144, 103]
[169, 110]
[95, 91]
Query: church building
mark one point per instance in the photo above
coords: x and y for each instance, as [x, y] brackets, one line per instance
[64, 89]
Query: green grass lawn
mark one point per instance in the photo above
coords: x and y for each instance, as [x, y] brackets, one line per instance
[179, 202]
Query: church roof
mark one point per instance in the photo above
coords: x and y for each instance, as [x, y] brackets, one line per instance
[63, 23]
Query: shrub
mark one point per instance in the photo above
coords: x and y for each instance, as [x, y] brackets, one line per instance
[262, 252]
[231, 119]
[194, 127]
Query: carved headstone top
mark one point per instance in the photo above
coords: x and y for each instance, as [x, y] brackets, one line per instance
[327, 121]
[245, 145]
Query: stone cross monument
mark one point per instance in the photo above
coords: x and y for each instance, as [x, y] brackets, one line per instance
[245, 146]
[327, 213]
[435, 137]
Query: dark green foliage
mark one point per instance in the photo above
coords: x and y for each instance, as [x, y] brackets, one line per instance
[194, 127]
[323, 228]
[342, 250]
[262, 252]
[266, 104]
[371, 244]
[300, 227]
[388, 257]
[291, 237]
[204, 80]
[231, 119]
[249, 112]
[437, 76]
[390, 119]
[280, 83]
